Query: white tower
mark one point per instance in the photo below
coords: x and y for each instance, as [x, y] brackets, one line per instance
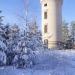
[51, 22]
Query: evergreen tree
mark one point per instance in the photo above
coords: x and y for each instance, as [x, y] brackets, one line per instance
[2, 44]
[65, 32]
[12, 38]
[73, 32]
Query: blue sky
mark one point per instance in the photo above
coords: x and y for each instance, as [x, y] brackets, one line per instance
[12, 8]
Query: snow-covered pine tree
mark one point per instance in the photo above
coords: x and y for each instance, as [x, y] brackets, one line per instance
[11, 40]
[27, 47]
[2, 44]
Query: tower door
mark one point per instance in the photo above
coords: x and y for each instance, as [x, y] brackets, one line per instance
[46, 42]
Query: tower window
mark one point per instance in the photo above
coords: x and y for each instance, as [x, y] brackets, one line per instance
[45, 28]
[45, 4]
[45, 15]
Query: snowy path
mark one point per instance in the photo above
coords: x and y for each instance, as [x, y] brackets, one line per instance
[61, 63]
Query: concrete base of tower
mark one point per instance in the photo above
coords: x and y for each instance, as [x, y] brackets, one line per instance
[54, 45]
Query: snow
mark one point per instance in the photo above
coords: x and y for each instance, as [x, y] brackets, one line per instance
[57, 62]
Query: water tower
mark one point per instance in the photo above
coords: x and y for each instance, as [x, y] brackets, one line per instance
[51, 11]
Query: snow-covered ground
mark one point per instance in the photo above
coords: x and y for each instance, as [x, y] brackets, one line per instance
[57, 62]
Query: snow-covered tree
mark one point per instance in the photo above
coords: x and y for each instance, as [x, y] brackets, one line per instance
[65, 31]
[12, 34]
[2, 44]
[73, 32]
[21, 47]
[27, 47]
[22, 58]
[2, 58]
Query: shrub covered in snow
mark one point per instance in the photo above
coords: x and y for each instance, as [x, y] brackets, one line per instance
[26, 50]
[20, 48]
[22, 60]
[2, 58]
